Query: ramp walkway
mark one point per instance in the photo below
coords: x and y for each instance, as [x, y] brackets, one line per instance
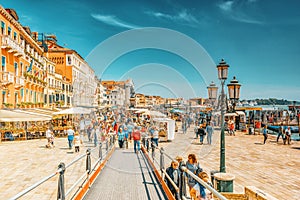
[127, 175]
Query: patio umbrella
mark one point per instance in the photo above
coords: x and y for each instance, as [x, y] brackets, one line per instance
[11, 116]
[73, 110]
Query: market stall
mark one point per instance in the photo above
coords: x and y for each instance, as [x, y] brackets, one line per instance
[166, 128]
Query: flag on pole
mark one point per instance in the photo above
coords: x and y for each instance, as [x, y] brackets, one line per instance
[44, 75]
[30, 66]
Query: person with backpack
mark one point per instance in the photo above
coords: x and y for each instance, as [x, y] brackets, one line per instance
[136, 135]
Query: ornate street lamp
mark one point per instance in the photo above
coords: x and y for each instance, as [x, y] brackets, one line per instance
[212, 92]
[234, 91]
[222, 75]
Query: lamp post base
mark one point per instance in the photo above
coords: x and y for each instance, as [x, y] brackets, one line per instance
[223, 182]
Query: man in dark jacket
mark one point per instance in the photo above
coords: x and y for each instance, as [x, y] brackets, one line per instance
[201, 133]
[174, 174]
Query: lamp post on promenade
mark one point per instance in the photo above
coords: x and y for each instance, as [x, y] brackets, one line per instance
[222, 75]
[223, 181]
[234, 91]
[212, 93]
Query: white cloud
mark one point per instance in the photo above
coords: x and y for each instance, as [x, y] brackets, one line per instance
[236, 13]
[182, 16]
[113, 21]
[226, 6]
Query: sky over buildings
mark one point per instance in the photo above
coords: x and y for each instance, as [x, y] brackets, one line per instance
[171, 48]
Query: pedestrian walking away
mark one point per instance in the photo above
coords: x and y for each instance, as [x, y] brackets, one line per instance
[71, 134]
[201, 133]
[209, 131]
[136, 135]
[265, 134]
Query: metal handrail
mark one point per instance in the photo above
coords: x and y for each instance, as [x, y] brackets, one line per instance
[182, 168]
[60, 170]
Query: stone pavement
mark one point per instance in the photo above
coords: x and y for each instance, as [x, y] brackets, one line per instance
[273, 168]
[24, 163]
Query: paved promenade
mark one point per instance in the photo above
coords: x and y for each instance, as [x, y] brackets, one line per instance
[273, 168]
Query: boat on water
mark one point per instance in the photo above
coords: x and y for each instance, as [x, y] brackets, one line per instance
[294, 130]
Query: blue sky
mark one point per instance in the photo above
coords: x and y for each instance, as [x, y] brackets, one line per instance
[259, 39]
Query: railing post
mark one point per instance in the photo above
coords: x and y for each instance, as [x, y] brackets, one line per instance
[113, 140]
[106, 144]
[148, 144]
[162, 161]
[182, 182]
[100, 150]
[88, 160]
[61, 182]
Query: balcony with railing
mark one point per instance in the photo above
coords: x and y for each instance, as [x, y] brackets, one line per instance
[7, 78]
[12, 45]
[19, 81]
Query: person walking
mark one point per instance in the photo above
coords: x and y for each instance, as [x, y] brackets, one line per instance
[121, 137]
[192, 165]
[265, 133]
[126, 139]
[71, 134]
[49, 138]
[288, 134]
[77, 142]
[174, 174]
[155, 136]
[96, 131]
[201, 133]
[280, 133]
[136, 135]
[209, 131]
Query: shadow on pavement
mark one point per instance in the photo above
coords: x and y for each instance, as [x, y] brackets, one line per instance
[258, 143]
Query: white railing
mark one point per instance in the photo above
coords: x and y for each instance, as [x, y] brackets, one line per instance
[7, 77]
[8, 42]
[20, 80]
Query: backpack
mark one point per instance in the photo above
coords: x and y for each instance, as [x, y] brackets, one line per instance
[136, 135]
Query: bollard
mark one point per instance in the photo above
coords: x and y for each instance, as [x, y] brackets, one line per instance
[182, 182]
[212, 176]
[100, 150]
[61, 182]
[162, 161]
[88, 160]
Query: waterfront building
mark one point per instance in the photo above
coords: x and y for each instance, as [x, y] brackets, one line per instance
[79, 82]
[101, 95]
[119, 92]
[22, 65]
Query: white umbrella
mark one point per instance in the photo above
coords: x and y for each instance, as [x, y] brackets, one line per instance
[73, 110]
[11, 116]
[154, 113]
